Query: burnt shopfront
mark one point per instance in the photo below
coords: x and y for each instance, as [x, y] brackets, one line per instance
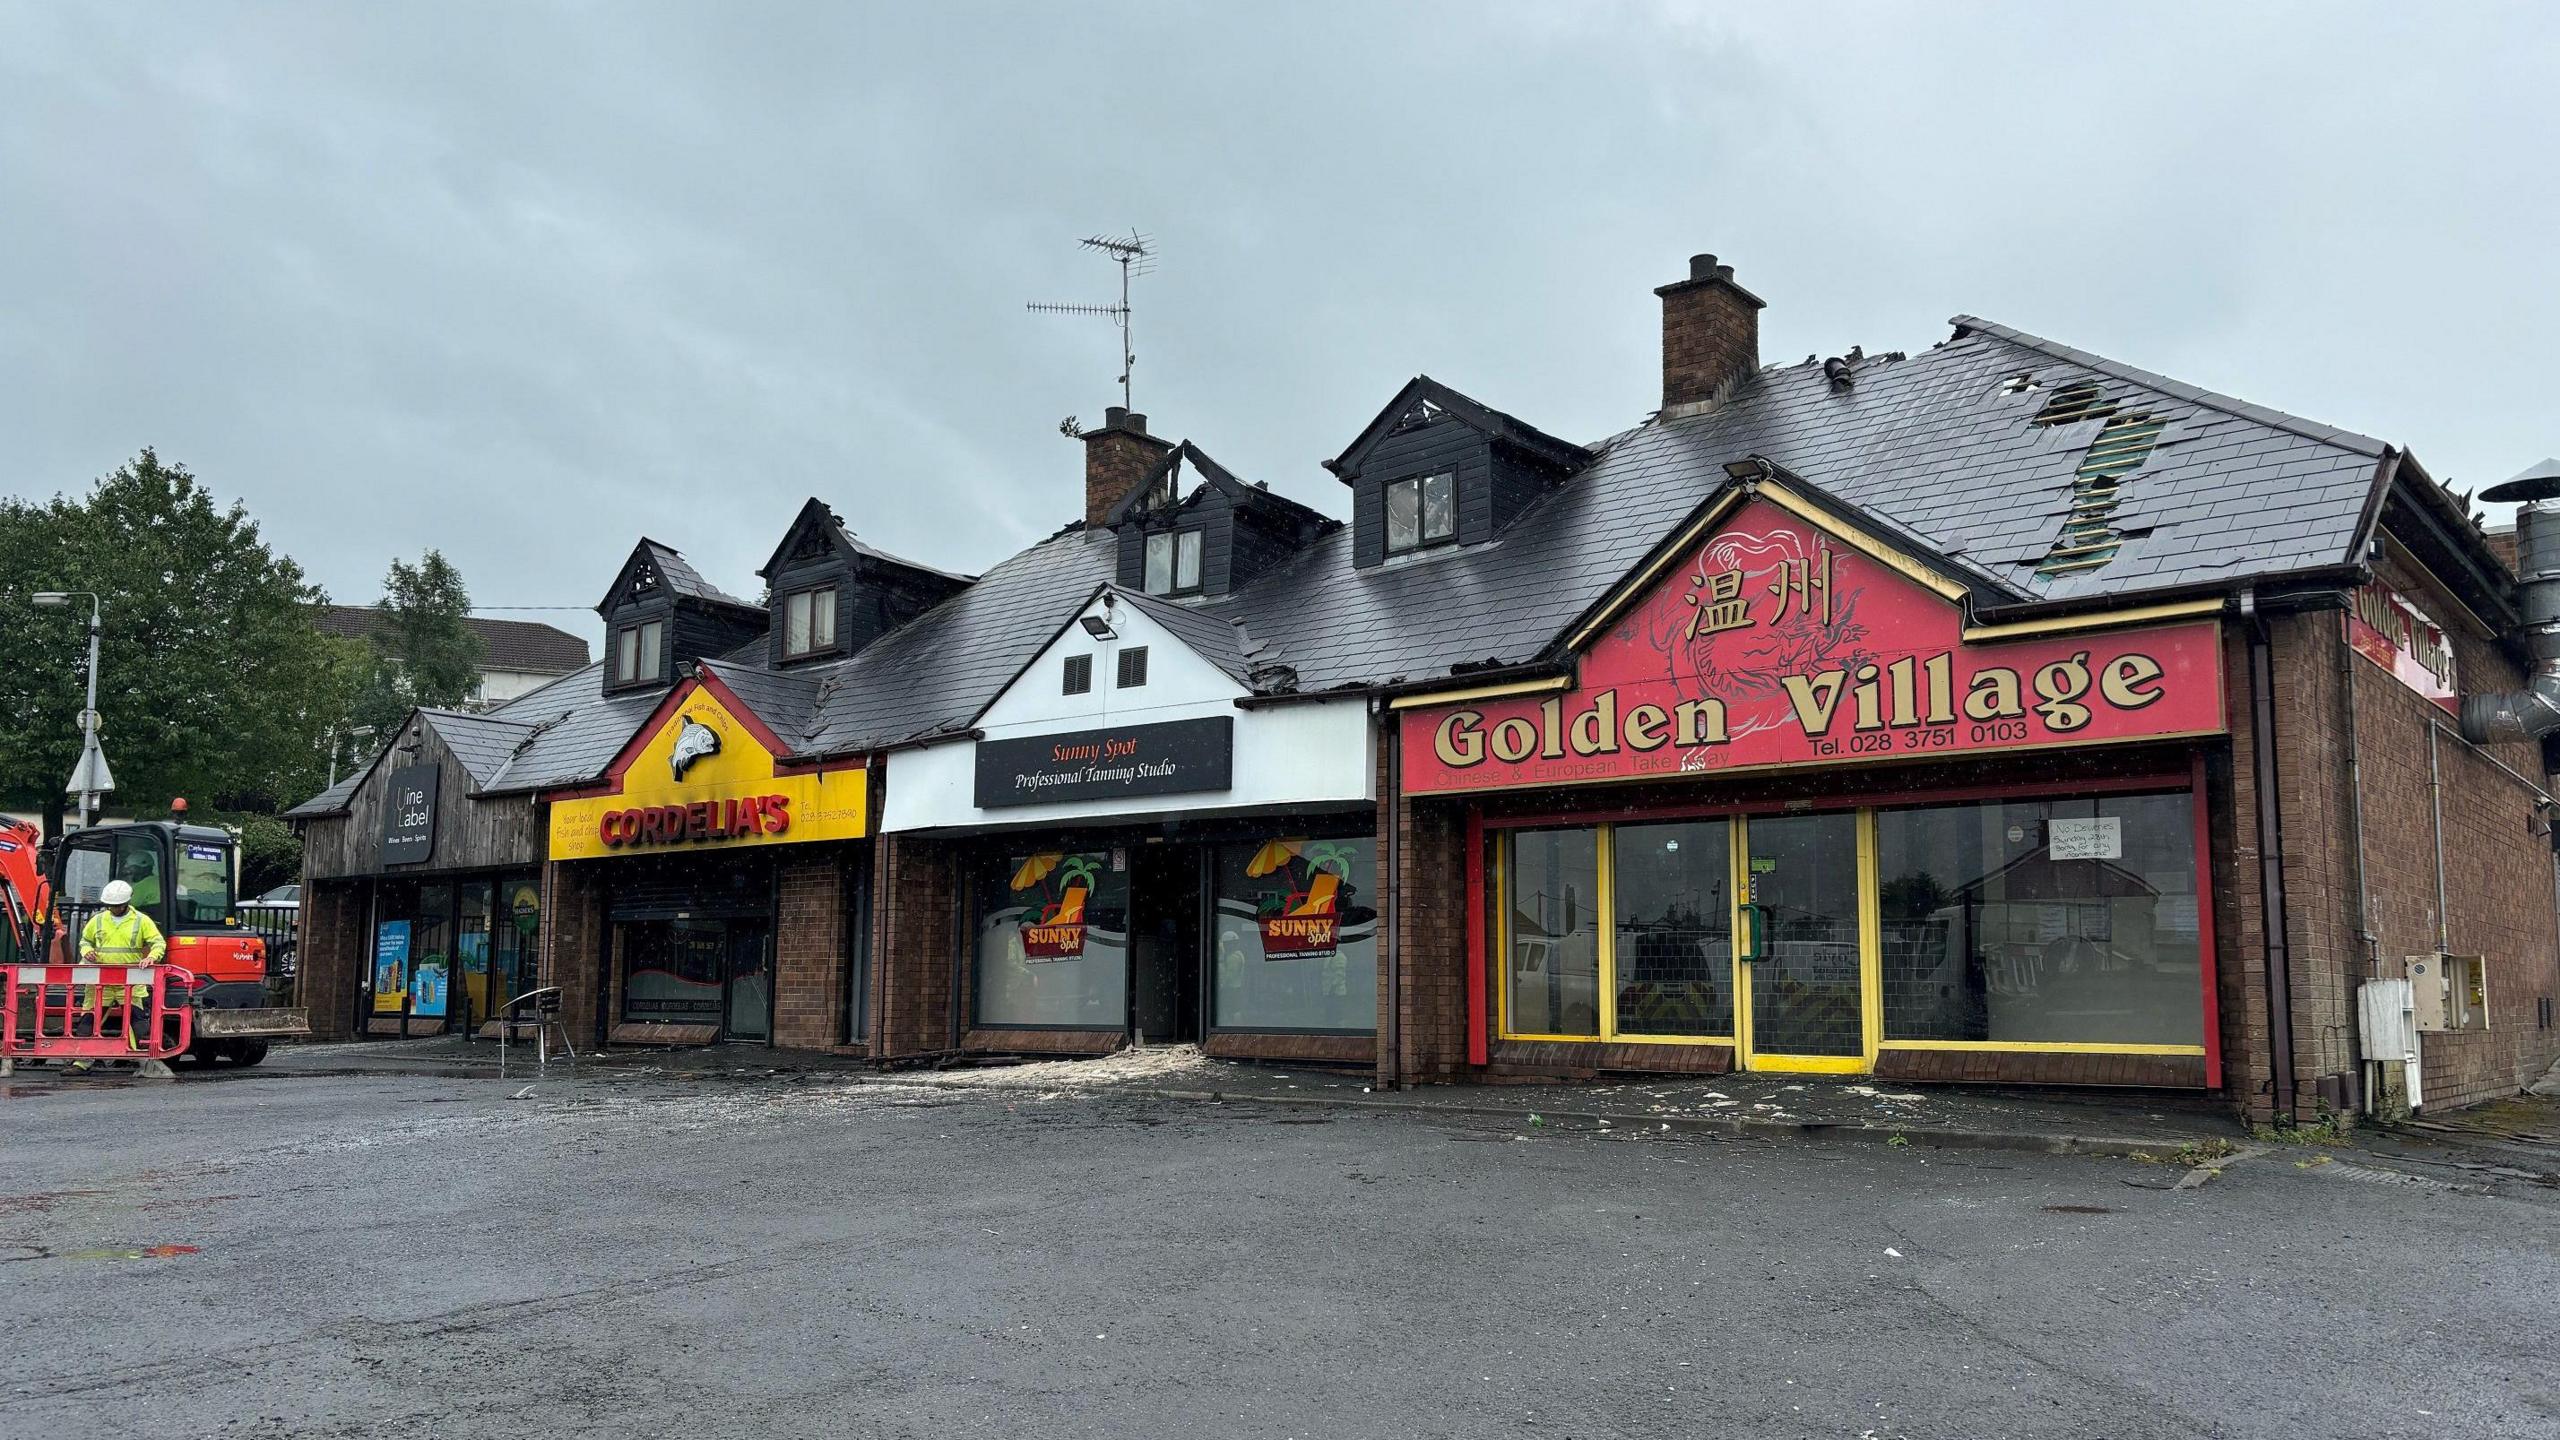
[1791, 812]
[422, 897]
[1140, 857]
[709, 889]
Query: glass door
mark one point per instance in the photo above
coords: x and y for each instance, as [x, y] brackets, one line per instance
[1804, 959]
[750, 980]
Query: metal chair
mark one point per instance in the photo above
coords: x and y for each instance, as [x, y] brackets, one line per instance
[545, 1003]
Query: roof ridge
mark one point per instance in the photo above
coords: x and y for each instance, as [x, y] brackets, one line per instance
[2239, 409]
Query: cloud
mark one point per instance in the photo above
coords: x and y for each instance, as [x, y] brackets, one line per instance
[525, 282]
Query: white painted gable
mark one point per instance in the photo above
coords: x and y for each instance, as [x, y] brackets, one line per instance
[1315, 752]
[1181, 685]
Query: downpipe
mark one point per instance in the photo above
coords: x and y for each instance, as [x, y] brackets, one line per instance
[2271, 906]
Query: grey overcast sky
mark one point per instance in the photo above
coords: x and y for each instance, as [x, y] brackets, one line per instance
[527, 281]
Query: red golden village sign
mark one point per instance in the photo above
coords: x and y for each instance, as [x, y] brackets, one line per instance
[1772, 643]
[2387, 628]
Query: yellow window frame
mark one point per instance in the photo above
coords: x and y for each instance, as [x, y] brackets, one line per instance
[1605, 856]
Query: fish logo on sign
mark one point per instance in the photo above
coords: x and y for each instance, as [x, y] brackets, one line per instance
[696, 741]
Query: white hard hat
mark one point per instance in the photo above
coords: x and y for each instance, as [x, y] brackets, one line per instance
[116, 893]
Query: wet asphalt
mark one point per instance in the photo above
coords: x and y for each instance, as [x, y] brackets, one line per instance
[392, 1255]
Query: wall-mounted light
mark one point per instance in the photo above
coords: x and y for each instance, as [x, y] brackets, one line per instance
[1098, 628]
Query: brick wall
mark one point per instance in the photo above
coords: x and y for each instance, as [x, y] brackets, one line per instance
[1426, 891]
[809, 944]
[2498, 874]
[1710, 333]
[1118, 453]
[915, 900]
[572, 943]
[332, 952]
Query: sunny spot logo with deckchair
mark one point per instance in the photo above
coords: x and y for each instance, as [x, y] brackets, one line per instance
[1307, 919]
[1053, 928]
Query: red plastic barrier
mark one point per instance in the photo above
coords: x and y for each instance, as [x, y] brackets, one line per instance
[88, 1012]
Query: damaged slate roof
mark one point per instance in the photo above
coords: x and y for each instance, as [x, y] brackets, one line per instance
[1944, 446]
[482, 743]
[1937, 444]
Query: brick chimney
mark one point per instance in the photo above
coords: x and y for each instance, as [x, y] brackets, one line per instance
[1710, 336]
[1118, 453]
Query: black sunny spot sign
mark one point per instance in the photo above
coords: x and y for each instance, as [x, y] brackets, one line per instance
[1173, 757]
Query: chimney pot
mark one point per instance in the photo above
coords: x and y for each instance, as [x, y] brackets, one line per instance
[1703, 267]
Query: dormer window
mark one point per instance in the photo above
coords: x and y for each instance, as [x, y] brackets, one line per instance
[1422, 511]
[1173, 561]
[636, 649]
[809, 622]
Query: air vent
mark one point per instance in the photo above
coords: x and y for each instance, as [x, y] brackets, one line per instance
[2089, 534]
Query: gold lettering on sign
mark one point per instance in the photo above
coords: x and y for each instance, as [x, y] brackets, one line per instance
[1701, 722]
[1458, 742]
[1595, 731]
[1902, 695]
[1645, 730]
[2122, 681]
[1723, 607]
[1814, 697]
[2059, 687]
[1993, 695]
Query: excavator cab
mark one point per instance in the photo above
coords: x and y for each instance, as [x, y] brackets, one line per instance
[185, 877]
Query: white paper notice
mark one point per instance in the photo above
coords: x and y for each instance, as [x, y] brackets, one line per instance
[2099, 839]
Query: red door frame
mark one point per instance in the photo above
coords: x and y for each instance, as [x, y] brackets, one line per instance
[1479, 1019]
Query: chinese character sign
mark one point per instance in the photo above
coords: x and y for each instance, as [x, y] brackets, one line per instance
[1775, 643]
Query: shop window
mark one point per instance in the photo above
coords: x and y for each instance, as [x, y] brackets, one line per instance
[431, 954]
[1663, 961]
[1173, 561]
[472, 924]
[636, 649]
[1051, 941]
[1673, 897]
[1079, 676]
[809, 623]
[1297, 935]
[1551, 933]
[1133, 667]
[514, 935]
[673, 971]
[2042, 922]
[1421, 511]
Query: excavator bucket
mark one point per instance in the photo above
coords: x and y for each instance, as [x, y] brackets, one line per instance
[272, 1024]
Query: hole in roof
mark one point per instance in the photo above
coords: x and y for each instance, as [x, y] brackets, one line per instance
[2077, 401]
[2090, 537]
[2020, 384]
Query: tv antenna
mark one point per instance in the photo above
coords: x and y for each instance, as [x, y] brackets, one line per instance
[1137, 256]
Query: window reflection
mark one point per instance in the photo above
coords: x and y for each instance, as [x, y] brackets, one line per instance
[2051, 921]
[1553, 964]
[1674, 928]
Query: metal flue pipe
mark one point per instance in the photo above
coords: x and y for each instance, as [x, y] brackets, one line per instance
[2534, 711]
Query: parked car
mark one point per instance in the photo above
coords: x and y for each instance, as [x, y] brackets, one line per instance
[277, 918]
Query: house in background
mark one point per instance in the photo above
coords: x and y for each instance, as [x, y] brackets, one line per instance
[517, 656]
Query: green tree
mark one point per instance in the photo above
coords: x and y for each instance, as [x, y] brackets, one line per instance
[213, 683]
[424, 653]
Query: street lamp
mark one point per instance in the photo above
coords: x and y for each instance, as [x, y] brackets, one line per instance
[91, 777]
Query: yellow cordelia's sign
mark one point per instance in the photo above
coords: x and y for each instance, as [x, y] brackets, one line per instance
[706, 779]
